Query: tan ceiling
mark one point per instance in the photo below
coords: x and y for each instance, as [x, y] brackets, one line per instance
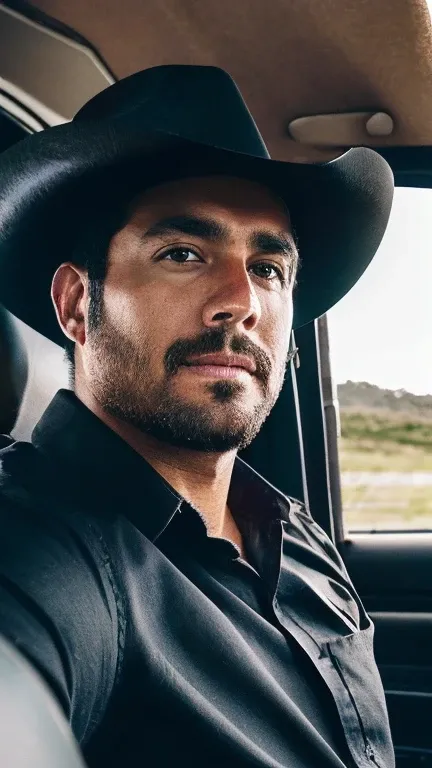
[289, 58]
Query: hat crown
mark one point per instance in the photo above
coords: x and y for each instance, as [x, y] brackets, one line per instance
[199, 103]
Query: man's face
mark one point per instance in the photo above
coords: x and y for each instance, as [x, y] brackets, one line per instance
[204, 266]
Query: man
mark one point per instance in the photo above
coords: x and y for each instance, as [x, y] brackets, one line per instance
[181, 608]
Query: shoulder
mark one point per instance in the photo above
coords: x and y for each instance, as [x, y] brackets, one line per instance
[303, 527]
[5, 441]
[317, 561]
[36, 518]
[19, 464]
[59, 599]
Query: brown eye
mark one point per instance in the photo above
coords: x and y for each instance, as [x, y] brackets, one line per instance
[180, 256]
[268, 271]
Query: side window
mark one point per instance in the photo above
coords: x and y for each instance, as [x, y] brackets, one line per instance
[381, 354]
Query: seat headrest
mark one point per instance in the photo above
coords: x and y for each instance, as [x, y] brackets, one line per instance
[14, 371]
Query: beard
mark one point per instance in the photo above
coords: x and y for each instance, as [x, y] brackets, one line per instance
[121, 380]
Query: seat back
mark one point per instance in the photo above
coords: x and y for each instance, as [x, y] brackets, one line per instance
[33, 730]
[13, 371]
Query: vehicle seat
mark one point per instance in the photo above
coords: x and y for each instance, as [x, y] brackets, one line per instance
[32, 369]
[33, 730]
[13, 371]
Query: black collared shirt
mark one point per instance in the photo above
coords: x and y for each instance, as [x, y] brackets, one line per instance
[163, 646]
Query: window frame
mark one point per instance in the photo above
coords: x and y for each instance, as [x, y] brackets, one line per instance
[412, 167]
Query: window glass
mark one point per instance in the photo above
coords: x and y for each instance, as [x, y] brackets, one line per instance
[381, 355]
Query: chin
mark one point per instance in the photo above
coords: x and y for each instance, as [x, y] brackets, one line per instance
[206, 442]
[223, 392]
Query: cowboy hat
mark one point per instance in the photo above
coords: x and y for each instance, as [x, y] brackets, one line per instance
[165, 123]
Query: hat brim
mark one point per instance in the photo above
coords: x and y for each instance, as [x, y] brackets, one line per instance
[339, 210]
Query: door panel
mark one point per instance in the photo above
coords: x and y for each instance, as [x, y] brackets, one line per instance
[393, 575]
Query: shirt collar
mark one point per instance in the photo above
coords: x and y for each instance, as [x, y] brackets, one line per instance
[101, 469]
[96, 464]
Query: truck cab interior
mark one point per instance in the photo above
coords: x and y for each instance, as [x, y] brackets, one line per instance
[319, 77]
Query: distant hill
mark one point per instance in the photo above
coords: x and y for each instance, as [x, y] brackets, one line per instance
[361, 396]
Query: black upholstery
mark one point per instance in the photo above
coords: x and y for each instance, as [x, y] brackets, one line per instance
[13, 358]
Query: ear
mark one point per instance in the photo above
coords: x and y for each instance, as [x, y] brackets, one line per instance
[69, 296]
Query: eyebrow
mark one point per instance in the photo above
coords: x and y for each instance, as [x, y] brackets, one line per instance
[196, 226]
[264, 241]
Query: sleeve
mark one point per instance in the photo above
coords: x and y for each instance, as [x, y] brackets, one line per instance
[58, 608]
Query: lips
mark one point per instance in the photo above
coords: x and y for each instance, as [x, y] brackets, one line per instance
[225, 361]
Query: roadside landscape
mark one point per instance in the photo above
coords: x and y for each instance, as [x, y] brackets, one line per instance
[385, 454]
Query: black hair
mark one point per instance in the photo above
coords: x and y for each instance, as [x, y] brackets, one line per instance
[90, 252]
[105, 206]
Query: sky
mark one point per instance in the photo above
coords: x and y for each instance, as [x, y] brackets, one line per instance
[381, 332]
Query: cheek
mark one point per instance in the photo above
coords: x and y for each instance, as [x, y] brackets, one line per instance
[278, 329]
[148, 318]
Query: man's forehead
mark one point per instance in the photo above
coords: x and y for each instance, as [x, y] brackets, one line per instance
[229, 199]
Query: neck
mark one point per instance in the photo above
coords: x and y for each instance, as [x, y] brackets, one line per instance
[202, 478]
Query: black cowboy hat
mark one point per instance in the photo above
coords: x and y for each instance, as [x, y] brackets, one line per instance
[161, 124]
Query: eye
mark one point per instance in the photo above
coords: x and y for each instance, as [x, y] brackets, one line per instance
[268, 271]
[180, 256]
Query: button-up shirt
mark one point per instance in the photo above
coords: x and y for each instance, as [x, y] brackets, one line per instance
[162, 644]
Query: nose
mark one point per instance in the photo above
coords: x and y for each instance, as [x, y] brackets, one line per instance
[234, 300]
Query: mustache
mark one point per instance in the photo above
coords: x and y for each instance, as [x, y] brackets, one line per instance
[213, 341]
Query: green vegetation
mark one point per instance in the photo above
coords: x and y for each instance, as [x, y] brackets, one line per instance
[370, 456]
[376, 439]
[379, 441]
[387, 429]
[388, 507]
